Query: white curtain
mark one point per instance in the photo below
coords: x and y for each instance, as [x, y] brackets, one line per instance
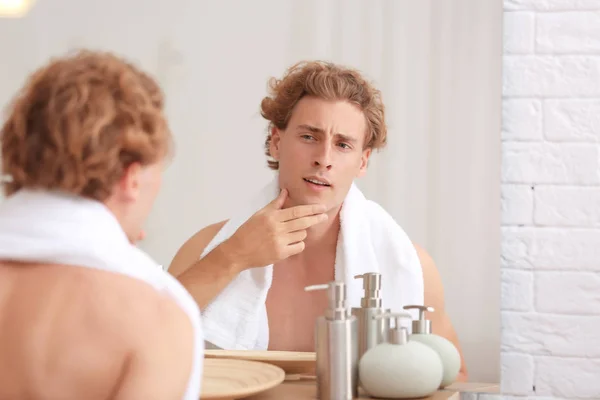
[436, 62]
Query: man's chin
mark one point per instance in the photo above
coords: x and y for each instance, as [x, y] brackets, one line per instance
[294, 200]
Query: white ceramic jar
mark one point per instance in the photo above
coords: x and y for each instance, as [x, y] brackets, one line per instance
[400, 368]
[421, 332]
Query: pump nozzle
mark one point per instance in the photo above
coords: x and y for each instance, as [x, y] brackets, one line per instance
[421, 325]
[372, 289]
[336, 294]
[398, 334]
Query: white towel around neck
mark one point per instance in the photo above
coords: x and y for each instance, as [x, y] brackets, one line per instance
[52, 227]
[369, 241]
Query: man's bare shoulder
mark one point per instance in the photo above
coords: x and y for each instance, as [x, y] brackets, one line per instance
[101, 320]
[424, 256]
[158, 333]
[149, 305]
[130, 306]
[160, 365]
[434, 289]
[434, 297]
[192, 249]
[127, 309]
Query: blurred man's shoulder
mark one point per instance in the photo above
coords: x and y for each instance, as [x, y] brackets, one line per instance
[193, 248]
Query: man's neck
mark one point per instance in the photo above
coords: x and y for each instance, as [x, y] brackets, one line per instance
[316, 264]
[325, 231]
[322, 238]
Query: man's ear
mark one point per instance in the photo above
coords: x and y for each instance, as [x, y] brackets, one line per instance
[274, 144]
[130, 183]
[364, 162]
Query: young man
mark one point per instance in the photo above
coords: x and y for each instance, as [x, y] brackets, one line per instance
[84, 314]
[324, 122]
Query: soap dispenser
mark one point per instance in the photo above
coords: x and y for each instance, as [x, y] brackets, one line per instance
[421, 332]
[371, 331]
[335, 346]
[400, 368]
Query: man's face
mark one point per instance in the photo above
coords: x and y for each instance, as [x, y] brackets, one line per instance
[151, 181]
[320, 153]
[134, 197]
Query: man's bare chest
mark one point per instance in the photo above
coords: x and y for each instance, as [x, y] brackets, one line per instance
[292, 311]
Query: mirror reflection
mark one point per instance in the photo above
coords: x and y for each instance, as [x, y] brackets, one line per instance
[311, 142]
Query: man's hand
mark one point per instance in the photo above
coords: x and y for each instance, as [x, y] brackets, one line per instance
[272, 233]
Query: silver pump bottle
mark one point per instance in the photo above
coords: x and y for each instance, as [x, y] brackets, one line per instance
[335, 346]
[371, 331]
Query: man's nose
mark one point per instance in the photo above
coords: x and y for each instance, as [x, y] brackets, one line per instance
[323, 158]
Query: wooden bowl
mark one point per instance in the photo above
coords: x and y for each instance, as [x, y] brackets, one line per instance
[229, 379]
[292, 362]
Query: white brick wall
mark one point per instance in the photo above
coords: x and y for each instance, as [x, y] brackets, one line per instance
[551, 200]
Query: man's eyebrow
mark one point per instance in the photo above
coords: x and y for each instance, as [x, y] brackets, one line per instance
[311, 128]
[314, 129]
[346, 138]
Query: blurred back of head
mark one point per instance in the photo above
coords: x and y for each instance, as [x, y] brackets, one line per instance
[79, 122]
[89, 124]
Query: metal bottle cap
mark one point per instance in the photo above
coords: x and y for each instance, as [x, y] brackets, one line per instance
[336, 294]
[398, 334]
[421, 325]
[372, 289]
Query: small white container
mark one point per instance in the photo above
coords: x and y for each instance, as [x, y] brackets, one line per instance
[421, 332]
[400, 368]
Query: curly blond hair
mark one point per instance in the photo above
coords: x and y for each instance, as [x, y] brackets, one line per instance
[79, 122]
[328, 81]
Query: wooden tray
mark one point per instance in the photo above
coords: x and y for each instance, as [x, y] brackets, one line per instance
[291, 362]
[226, 379]
[308, 391]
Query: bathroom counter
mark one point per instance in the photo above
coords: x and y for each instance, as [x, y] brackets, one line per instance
[305, 390]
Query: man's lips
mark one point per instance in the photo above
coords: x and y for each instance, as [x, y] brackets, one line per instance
[318, 181]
